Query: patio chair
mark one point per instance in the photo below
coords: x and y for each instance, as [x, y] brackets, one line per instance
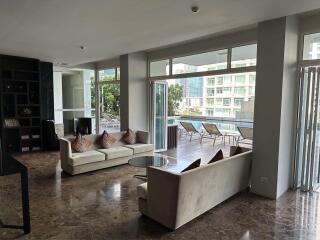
[211, 132]
[189, 129]
[246, 135]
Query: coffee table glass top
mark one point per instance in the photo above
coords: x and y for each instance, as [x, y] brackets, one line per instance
[146, 161]
[169, 163]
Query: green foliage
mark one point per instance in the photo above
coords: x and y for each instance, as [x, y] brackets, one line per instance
[111, 99]
[109, 95]
[175, 93]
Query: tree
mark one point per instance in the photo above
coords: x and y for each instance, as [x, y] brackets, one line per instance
[109, 96]
[175, 93]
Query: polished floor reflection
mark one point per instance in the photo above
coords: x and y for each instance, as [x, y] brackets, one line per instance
[103, 205]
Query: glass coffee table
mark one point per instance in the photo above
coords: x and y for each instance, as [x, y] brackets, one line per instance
[155, 161]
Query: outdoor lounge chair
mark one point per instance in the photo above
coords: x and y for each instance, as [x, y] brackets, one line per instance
[189, 129]
[246, 135]
[211, 132]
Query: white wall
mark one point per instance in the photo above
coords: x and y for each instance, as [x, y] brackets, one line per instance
[57, 97]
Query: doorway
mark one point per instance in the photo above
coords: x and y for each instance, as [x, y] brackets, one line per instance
[307, 167]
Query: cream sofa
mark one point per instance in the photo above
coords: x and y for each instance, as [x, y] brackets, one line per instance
[173, 199]
[97, 158]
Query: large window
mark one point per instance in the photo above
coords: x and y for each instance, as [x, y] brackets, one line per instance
[244, 56]
[159, 68]
[200, 62]
[311, 47]
[192, 97]
[208, 91]
[241, 57]
[109, 91]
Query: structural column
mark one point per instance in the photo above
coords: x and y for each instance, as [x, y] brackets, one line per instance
[275, 106]
[134, 91]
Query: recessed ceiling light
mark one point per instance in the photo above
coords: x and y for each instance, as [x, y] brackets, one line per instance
[195, 9]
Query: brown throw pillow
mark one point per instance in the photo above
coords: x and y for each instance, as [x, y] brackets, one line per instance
[80, 144]
[193, 165]
[129, 137]
[217, 157]
[106, 140]
[238, 150]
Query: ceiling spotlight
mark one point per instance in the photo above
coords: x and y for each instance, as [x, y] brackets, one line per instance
[195, 9]
[83, 47]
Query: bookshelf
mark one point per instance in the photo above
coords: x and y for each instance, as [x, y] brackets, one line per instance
[20, 100]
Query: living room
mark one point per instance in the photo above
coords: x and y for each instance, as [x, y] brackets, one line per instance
[169, 121]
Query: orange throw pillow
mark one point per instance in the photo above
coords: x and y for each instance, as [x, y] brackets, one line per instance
[129, 137]
[217, 157]
[80, 144]
[106, 140]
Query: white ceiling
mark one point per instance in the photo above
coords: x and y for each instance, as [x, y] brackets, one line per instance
[54, 30]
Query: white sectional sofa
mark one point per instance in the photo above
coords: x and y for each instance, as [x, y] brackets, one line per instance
[97, 158]
[173, 199]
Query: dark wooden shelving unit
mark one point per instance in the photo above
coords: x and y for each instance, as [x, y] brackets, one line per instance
[20, 99]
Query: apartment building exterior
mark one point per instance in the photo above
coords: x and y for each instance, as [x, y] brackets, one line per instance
[226, 96]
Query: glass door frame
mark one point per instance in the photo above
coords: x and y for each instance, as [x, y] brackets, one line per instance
[307, 172]
[153, 114]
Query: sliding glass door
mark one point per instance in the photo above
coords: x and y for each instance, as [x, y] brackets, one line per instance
[159, 115]
[307, 167]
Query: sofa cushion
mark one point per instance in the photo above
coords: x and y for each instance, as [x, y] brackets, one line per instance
[116, 152]
[92, 156]
[130, 137]
[218, 156]
[142, 190]
[140, 147]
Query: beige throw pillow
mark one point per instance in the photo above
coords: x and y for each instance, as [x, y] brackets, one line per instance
[80, 144]
[106, 140]
[129, 137]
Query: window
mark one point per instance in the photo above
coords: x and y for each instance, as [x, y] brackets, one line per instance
[118, 73]
[239, 91]
[226, 90]
[200, 62]
[210, 81]
[226, 102]
[218, 101]
[210, 92]
[210, 101]
[109, 101]
[194, 97]
[244, 56]
[227, 80]
[252, 79]
[311, 47]
[210, 112]
[237, 102]
[159, 68]
[251, 91]
[107, 75]
[240, 79]
[219, 80]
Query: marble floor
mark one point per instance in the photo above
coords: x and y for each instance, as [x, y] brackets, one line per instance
[103, 205]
